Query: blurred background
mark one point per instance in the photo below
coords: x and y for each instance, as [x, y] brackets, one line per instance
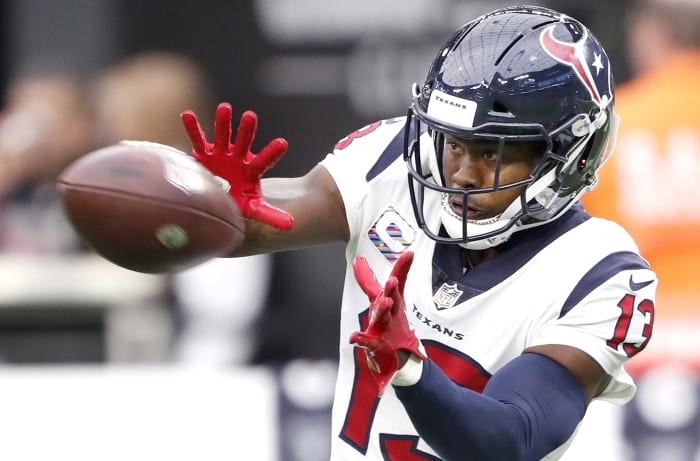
[235, 359]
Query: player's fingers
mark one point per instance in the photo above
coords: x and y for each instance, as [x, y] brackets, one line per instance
[380, 314]
[194, 131]
[379, 308]
[245, 134]
[401, 267]
[363, 340]
[357, 337]
[277, 218]
[391, 291]
[365, 277]
[222, 127]
[390, 287]
[269, 156]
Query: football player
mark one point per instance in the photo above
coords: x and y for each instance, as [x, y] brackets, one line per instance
[503, 309]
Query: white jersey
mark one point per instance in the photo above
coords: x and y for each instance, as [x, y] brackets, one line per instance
[578, 281]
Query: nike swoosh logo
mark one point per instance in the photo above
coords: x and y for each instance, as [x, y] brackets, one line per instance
[636, 286]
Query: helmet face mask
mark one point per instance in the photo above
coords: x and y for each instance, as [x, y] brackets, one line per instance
[540, 77]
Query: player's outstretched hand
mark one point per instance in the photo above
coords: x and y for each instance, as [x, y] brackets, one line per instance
[389, 330]
[235, 163]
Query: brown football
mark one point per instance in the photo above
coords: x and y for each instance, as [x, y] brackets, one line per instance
[149, 207]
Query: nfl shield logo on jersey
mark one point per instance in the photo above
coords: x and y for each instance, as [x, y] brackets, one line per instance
[447, 296]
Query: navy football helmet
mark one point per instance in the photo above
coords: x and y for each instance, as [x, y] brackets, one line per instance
[515, 74]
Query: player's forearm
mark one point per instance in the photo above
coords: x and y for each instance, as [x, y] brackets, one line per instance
[527, 410]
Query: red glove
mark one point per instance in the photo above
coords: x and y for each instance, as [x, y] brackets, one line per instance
[237, 164]
[388, 330]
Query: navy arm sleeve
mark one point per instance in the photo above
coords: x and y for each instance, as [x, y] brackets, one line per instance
[528, 408]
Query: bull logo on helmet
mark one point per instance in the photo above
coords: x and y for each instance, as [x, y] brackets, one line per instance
[575, 56]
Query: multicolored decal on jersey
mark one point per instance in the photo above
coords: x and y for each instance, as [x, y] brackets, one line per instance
[447, 296]
[391, 234]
